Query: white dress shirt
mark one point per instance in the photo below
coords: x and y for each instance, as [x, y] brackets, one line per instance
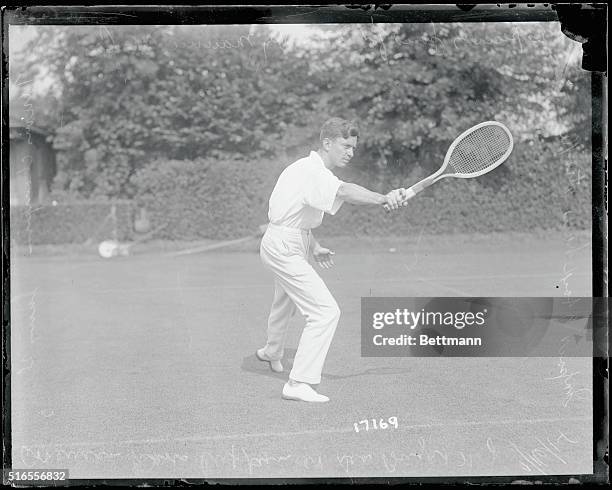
[304, 191]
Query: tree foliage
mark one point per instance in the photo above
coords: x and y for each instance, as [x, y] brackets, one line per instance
[129, 96]
[414, 87]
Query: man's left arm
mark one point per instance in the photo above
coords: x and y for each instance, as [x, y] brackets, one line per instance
[322, 255]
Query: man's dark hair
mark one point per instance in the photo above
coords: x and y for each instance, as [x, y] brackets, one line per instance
[336, 127]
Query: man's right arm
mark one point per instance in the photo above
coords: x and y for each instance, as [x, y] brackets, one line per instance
[355, 194]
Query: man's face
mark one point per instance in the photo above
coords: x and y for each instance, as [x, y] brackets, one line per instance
[341, 150]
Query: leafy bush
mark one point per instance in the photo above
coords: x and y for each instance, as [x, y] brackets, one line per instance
[534, 189]
[206, 199]
[75, 222]
[539, 187]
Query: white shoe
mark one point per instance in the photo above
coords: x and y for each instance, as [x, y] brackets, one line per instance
[275, 366]
[302, 392]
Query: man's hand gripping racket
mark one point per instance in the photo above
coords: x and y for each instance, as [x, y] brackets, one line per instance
[475, 152]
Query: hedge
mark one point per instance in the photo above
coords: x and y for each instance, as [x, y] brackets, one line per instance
[75, 222]
[205, 198]
[537, 188]
[532, 190]
[540, 187]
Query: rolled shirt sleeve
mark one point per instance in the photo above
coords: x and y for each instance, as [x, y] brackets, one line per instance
[337, 204]
[321, 192]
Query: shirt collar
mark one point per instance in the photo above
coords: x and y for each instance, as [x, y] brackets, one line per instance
[315, 157]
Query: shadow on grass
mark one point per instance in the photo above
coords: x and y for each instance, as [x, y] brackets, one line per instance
[253, 365]
[377, 371]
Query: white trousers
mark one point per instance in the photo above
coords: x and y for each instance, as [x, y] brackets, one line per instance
[284, 251]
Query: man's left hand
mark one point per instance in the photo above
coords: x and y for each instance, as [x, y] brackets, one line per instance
[323, 256]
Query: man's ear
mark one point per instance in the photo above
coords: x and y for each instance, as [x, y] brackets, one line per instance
[326, 144]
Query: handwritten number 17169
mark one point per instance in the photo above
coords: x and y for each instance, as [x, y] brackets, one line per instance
[373, 424]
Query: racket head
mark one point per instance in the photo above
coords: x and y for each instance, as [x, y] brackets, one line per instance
[478, 150]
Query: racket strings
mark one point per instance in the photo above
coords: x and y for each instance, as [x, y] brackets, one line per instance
[479, 150]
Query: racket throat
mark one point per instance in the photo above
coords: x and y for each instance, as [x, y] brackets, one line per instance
[416, 188]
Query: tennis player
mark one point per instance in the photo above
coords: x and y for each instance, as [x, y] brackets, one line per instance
[304, 191]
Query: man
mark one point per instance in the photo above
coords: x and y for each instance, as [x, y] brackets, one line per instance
[304, 191]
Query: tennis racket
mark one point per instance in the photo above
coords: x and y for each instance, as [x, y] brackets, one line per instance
[475, 152]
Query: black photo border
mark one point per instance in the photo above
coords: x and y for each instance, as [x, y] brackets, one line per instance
[578, 21]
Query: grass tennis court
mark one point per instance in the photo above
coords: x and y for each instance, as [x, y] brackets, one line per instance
[144, 367]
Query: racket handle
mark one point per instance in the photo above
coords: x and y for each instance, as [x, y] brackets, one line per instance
[410, 193]
[419, 186]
